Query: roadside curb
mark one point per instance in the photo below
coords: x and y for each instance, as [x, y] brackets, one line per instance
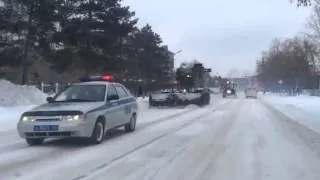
[278, 112]
[284, 116]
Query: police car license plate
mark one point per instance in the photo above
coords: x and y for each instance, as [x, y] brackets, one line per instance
[46, 128]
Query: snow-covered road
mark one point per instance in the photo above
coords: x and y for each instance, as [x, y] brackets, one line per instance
[236, 139]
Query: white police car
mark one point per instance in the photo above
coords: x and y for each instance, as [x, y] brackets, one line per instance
[87, 109]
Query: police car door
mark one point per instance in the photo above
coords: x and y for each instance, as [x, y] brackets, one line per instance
[114, 112]
[124, 100]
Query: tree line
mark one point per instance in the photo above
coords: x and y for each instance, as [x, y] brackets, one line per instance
[293, 63]
[91, 35]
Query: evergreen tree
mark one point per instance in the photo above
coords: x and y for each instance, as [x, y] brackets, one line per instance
[93, 34]
[27, 30]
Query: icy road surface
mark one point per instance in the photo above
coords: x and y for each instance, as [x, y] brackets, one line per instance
[232, 139]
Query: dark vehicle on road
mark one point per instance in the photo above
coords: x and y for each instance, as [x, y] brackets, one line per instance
[183, 97]
[229, 90]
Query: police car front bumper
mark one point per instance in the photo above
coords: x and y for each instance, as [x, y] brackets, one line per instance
[79, 128]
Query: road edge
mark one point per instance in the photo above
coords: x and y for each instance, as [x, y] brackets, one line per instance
[308, 135]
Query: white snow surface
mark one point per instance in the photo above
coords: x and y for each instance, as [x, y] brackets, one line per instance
[230, 139]
[14, 151]
[147, 114]
[17, 95]
[9, 116]
[14, 100]
[303, 109]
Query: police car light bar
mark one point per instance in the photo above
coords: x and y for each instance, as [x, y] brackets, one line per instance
[97, 78]
[106, 78]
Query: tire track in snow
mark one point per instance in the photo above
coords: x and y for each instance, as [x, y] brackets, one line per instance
[10, 140]
[105, 166]
[286, 142]
[118, 158]
[46, 153]
[210, 152]
[19, 154]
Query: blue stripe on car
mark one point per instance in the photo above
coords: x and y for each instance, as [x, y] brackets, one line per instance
[108, 105]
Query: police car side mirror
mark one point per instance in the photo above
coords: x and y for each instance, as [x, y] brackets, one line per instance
[112, 98]
[49, 99]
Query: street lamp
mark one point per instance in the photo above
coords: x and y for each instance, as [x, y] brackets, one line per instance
[179, 51]
[172, 64]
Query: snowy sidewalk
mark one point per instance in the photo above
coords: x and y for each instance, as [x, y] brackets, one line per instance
[302, 109]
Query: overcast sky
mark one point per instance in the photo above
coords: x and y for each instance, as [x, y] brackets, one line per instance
[226, 35]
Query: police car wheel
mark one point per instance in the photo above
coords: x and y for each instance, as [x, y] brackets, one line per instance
[132, 124]
[35, 141]
[98, 133]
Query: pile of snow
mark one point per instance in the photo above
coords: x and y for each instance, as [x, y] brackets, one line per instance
[13, 95]
[310, 104]
[9, 116]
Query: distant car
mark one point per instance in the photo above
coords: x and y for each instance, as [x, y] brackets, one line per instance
[251, 92]
[87, 109]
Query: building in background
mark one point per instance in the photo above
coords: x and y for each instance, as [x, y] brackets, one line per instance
[243, 82]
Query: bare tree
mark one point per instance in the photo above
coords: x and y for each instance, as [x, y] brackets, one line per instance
[291, 60]
[312, 37]
[313, 24]
[302, 2]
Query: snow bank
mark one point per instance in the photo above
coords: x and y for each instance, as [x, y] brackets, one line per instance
[308, 103]
[13, 95]
[9, 116]
[303, 109]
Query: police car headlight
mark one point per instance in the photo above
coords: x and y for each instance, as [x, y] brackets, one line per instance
[26, 119]
[72, 117]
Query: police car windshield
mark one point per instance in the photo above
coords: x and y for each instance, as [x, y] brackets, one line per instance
[82, 93]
